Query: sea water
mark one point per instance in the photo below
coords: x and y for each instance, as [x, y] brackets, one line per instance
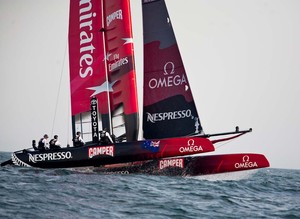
[84, 193]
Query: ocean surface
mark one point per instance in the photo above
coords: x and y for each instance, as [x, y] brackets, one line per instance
[74, 193]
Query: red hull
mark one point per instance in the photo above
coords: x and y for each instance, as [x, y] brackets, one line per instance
[191, 166]
[227, 163]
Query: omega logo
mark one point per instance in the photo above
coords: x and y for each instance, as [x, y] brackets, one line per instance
[169, 78]
[191, 142]
[191, 147]
[246, 164]
[169, 66]
[246, 158]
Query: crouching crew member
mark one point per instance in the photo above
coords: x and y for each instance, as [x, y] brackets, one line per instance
[43, 143]
[78, 141]
[105, 137]
[54, 143]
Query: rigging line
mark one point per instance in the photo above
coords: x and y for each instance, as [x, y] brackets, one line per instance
[103, 30]
[60, 80]
[69, 121]
[227, 142]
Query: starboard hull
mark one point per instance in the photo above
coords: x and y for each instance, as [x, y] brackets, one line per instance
[96, 155]
[190, 166]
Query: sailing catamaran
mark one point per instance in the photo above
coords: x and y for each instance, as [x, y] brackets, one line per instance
[104, 97]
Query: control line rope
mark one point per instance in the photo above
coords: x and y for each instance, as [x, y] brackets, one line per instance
[59, 87]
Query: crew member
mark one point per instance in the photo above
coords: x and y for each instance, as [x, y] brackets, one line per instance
[54, 143]
[78, 141]
[43, 143]
[105, 137]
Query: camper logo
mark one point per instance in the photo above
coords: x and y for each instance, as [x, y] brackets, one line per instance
[101, 150]
[175, 162]
[116, 15]
[246, 163]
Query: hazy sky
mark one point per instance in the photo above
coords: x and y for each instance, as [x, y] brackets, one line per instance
[242, 59]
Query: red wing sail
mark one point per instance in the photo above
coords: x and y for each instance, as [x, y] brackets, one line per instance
[169, 108]
[86, 52]
[102, 64]
[120, 63]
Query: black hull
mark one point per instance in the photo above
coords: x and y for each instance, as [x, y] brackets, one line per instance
[8, 162]
[98, 155]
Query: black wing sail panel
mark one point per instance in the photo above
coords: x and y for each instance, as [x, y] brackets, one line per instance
[169, 108]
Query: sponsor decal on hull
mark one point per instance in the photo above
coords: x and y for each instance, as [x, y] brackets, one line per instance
[101, 150]
[64, 155]
[176, 162]
[16, 161]
[246, 163]
[191, 147]
[118, 172]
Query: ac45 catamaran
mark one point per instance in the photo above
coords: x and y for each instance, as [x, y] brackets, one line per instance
[104, 96]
